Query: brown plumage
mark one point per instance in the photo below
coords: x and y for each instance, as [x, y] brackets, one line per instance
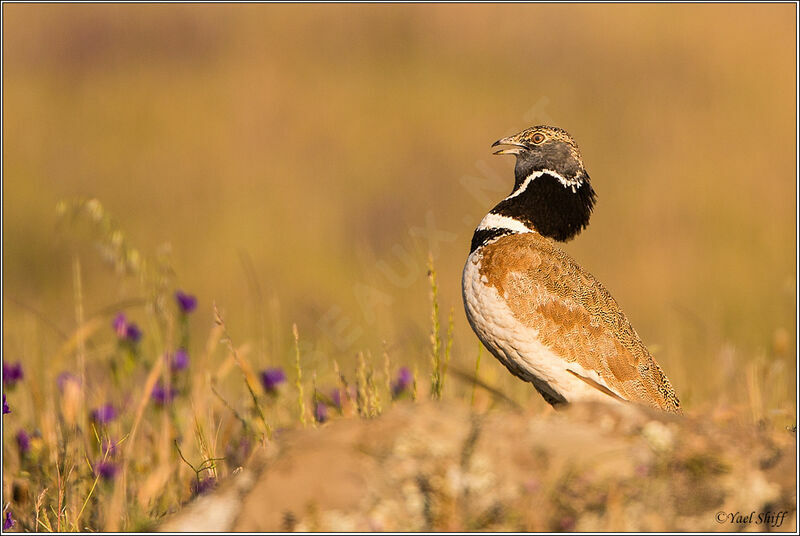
[538, 312]
[575, 316]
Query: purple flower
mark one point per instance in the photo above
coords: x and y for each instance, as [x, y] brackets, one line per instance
[133, 333]
[237, 451]
[106, 470]
[336, 399]
[162, 395]
[12, 373]
[66, 378]
[126, 331]
[202, 486]
[8, 521]
[23, 442]
[6, 409]
[320, 412]
[403, 381]
[186, 302]
[104, 414]
[179, 360]
[120, 325]
[271, 378]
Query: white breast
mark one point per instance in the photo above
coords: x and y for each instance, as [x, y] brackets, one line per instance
[517, 346]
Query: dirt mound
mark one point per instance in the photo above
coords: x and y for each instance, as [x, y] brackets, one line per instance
[437, 466]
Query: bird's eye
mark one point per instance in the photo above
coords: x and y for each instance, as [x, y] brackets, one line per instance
[537, 138]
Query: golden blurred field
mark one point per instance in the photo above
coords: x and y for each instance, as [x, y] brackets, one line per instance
[301, 161]
[321, 139]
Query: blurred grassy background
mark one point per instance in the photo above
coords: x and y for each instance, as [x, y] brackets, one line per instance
[330, 144]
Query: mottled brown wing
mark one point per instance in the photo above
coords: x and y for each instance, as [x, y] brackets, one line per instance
[575, 316]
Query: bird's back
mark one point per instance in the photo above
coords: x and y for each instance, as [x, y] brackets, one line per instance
[568, 311]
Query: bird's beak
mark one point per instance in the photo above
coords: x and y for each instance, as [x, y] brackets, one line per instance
[516, 148]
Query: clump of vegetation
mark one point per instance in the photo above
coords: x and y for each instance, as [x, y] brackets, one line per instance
[135, 416]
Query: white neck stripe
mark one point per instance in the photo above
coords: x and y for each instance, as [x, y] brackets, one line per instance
[573, 184]
[496, 221]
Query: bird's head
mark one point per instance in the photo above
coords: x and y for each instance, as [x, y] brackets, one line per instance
[544, 148]
[552, 192]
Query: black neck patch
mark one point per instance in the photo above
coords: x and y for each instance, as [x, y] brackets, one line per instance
[484, 236]
[551, 208]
